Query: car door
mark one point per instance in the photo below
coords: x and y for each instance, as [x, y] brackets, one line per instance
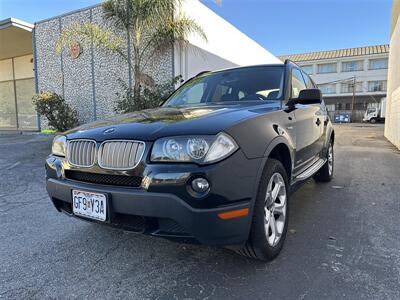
[307, 126]
[321, 115]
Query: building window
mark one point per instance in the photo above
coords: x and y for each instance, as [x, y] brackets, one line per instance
[17, 86]
[348, 87]
[308, 69]
[377, 86]
[348, 106]
[327, 68]
[327, 88]
[351, 66]
[376, 64]
[338, 106]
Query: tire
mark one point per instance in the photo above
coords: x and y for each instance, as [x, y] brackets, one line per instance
[265, 244]
[325, 174]
[372, 121]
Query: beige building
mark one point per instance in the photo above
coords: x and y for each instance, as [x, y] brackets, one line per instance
[392, 126]
[336, 70]
[17, 83]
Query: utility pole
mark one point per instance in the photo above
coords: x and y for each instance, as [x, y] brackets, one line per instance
[354, 99]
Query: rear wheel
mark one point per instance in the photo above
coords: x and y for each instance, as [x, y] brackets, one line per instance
[270, 216]
[372, 121]
[326, 172]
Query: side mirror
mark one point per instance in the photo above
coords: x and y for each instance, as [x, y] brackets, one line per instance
[309, 96]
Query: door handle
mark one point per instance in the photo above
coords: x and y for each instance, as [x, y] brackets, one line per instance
[318, 122]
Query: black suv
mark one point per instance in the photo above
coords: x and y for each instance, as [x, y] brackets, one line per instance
[215, 164]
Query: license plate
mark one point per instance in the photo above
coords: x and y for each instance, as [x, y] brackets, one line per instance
[89, 205]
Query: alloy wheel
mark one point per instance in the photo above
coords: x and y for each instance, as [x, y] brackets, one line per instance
[275, 209]
[330, 159]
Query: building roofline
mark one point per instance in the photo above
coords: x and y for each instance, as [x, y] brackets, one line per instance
[337, 53]
[16, 23]
[69, 13]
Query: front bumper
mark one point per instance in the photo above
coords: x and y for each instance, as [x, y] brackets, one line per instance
[162, 205]
[156, 211]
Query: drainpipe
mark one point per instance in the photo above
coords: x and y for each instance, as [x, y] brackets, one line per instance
[39, 125]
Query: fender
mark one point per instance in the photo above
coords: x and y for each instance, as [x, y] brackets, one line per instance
[276, 141]
[329, 133]
[280, 140]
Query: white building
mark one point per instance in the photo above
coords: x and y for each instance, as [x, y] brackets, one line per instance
[334, 71]
[225, 47]
[392, 125]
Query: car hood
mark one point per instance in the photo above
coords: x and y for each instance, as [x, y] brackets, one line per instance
[150, 124]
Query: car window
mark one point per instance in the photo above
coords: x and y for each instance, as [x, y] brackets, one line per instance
[242, 84]
[195, 95]
[298, 83]
[307, 79]
[219, 92]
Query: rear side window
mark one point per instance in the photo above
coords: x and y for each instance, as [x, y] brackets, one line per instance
[298, 83]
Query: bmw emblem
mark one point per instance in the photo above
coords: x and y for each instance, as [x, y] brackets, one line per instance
[109, 130]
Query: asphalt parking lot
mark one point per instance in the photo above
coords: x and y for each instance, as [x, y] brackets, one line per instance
[343, 239]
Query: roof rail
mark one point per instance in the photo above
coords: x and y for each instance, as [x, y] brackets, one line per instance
[289, 61]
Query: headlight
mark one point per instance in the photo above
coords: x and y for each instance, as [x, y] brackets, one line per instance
[59, 146]
[198, 149]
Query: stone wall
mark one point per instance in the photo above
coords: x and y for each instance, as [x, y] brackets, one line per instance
[89, 83]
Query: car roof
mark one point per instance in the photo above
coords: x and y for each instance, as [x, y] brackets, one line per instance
[240, 68]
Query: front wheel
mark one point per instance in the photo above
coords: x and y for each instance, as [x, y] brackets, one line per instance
[326, 172]
[271, 214]
[372, 121]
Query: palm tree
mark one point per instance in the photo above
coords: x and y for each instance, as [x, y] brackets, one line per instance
[154, 26]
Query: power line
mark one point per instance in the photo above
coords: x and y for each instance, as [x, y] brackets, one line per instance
[337, 81]
[350, 79]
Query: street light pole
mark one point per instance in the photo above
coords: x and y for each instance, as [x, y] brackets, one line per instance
[353, 99]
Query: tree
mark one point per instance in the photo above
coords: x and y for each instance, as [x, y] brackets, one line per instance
[154, 26]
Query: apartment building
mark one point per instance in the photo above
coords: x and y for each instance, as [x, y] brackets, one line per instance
[336, 71]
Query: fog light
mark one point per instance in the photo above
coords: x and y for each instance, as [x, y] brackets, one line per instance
[200, 185]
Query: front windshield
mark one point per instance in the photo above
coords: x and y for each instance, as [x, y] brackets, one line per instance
[247, 84]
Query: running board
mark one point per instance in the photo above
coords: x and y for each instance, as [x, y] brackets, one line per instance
[311, 170]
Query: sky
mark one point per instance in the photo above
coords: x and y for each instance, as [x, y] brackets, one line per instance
[280, 26]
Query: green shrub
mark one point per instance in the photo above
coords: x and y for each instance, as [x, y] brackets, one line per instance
[59, 114]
